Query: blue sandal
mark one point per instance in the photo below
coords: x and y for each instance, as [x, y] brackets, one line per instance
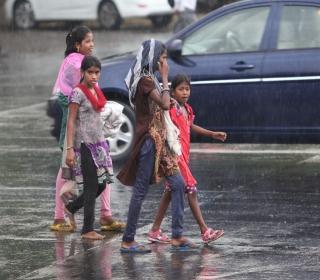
[135, 249]
[184, 247]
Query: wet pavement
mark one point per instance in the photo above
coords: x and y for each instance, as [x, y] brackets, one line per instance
[265, 197]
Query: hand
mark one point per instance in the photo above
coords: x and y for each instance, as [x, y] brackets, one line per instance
[222, 136]
[173, 102]
[70, 158]
[164, 70]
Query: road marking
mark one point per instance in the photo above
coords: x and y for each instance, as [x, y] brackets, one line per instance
[47, 150]
[314, 159]
[7, 237]
[22, 109]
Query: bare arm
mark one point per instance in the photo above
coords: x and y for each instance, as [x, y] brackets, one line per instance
[72, 114]
[219, 135]
[163, 99]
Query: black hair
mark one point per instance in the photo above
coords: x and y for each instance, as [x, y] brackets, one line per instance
[90, 61]
[76, 35]
[179, 79]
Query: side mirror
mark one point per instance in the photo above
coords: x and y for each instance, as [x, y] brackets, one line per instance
[175, 48]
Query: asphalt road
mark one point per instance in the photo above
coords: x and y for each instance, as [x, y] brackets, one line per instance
[265, 197]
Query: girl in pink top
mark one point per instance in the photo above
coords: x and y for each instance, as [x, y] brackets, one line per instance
[182, 116]
[79, 42]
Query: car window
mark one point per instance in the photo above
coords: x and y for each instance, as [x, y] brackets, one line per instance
[299, 27]
[235, 32]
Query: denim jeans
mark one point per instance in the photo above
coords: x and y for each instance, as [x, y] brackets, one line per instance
[140, 189]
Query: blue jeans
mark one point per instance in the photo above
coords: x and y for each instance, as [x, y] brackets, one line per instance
[140, 189]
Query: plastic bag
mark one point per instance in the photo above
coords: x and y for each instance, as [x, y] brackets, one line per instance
[172, 134]
[112, 118]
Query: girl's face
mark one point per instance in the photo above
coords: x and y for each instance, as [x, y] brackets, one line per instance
[182, 93]
[86, 45]
[163, 57]
[91, 76]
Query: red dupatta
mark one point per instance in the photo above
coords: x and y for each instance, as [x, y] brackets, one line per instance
[96, 102]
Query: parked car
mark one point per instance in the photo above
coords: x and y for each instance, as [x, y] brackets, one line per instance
[254, 67]
[25, 14]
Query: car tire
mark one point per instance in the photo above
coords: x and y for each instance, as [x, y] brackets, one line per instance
[23, 15]
[108, 15]
[121, 144]
[161, 21]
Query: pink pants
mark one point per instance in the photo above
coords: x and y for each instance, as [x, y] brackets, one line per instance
[59, 208]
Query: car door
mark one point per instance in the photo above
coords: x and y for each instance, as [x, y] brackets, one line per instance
[67, 9]
[51, 10]
[291, 71]
[223, 57]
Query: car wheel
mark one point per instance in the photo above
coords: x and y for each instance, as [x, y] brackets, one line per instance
[160, 21]
[23, 16]
[121, 144]
[109, 16]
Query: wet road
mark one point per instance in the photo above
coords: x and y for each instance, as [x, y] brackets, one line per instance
[265, 197]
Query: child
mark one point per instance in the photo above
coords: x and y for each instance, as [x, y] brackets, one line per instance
[79, 43]
[182, 116]
[150, 158]
[87, 149]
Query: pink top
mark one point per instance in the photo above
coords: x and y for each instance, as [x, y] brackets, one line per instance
[69, 74]
[184, 124]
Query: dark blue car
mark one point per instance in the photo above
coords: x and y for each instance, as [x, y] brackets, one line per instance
[255, 71]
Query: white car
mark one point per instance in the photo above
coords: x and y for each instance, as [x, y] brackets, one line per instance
[24, 14]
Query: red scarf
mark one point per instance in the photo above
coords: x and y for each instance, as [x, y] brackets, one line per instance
[96, 102]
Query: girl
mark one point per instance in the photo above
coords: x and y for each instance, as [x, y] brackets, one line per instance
[151, 158]
[79, 43]
[182, 116]
[87, 150]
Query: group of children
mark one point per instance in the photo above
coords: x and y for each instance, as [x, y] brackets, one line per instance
[86, 151]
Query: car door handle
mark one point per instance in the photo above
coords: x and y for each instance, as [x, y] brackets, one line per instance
[241, 66]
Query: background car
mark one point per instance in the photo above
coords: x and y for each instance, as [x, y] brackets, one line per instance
[254, 67]
[212, 4]
[25, 14]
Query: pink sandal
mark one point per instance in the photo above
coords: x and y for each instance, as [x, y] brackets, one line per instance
[211, 235]
[158, 236]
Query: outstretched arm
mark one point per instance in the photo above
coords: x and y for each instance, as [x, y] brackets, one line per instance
[219, 135]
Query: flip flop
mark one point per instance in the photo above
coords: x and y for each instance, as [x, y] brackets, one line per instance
[114, 226]
[211, 235]
[184, 247]
[135, 249]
